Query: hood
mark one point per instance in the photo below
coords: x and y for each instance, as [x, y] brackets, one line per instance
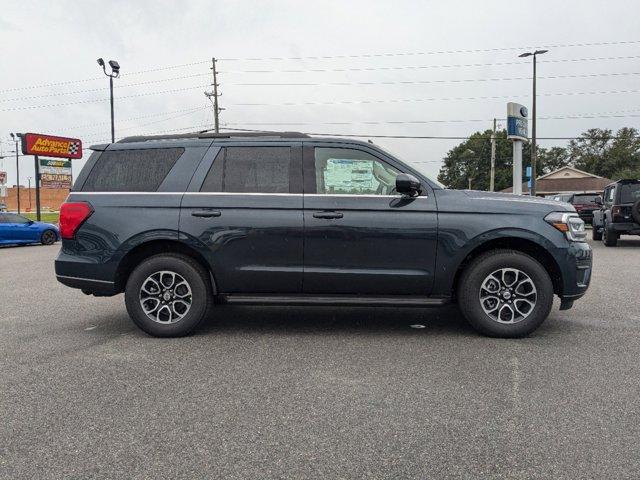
[504, 202]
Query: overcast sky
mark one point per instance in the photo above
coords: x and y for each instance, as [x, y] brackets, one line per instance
[468, 50]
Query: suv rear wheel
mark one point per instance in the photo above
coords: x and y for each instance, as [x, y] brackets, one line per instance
[168, 295]
[505, 293]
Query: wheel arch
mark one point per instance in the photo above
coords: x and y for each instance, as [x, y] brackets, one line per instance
[524, 245]
[154, 247]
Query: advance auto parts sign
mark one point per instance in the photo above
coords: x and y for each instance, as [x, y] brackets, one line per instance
[50, 146]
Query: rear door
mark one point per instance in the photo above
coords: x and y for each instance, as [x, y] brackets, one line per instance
[361, 237]
[244, 205]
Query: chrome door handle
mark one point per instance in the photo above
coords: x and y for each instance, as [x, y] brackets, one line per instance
[206, 213]
[328, 215]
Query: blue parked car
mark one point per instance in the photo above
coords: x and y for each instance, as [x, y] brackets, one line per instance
[16, 229]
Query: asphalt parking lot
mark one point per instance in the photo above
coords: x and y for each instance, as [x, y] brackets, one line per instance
[316, 392]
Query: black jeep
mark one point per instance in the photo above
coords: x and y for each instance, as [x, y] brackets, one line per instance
[619, 212]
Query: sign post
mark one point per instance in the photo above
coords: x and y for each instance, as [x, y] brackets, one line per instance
[51, 146]
[517, 130]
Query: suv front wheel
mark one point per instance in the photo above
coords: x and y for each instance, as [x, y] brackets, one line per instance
[505, 293]
[168, 295]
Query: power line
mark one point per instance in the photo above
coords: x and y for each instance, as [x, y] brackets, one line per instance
[422, 122]
[430, 99]
[430, 137]
[426, 67]
[135, 118]
[36, 107]
[426, 82]
[433, 52]
[92, 79]
[58, 94]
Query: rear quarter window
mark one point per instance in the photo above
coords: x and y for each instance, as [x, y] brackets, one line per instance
[131, 170]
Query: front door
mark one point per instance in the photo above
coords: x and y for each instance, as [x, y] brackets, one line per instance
[361, 237]
[244, 206]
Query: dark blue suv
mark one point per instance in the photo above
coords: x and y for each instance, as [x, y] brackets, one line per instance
[181, 223]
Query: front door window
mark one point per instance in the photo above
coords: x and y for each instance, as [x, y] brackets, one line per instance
[345, 171]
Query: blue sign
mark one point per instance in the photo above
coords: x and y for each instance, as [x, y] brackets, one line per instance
[517, 127]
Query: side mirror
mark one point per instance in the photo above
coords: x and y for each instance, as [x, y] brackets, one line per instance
[407, 185]
[598, 200]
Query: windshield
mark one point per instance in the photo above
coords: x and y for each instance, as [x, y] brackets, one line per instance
[582, 199]
[629, 192]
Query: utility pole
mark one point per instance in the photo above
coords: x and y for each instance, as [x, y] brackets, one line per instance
[214, 94]
[493, 158]
[534, 149]
[16, 138]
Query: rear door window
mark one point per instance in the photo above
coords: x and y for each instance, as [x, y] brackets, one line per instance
[131, 170]
[584, 199]
[251, 170]
[629, 192]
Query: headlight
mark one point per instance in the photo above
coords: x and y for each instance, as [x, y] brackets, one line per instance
[568, 223]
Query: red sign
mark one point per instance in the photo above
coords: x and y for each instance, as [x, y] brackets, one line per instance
[50, 146]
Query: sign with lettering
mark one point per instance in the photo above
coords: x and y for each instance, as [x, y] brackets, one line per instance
[60, 167]
[51, 146]
[517, 123]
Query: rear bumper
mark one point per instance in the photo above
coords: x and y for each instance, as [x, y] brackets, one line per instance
[80, 272]
[629, 228]
[88, 285]
[587, 217]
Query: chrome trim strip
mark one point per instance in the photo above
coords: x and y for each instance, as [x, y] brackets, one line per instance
[325, 195]
[85, 279]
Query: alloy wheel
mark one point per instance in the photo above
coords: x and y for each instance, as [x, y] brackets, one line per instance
[165, 297]
[508, 295]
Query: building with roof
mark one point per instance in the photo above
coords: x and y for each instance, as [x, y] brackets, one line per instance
[566, 180]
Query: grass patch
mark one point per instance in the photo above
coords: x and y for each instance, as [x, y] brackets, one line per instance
[47, 217]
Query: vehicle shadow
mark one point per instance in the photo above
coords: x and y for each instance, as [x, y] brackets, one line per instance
[327, 320]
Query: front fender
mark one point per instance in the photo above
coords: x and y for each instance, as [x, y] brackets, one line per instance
[454, 247]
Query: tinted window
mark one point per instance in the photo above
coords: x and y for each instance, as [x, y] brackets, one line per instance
[14, 218]
[250, 170]
[3, 218]
[131, 170]
[352, 172]
[629, 192]
[582, 199]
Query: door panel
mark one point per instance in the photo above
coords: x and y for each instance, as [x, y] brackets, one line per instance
[253, 239]
[367, 243]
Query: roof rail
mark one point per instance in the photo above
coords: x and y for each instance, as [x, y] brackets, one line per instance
[208, 134]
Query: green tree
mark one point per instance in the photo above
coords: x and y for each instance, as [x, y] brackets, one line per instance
[601, 152]
[471, 159]
[552, 159]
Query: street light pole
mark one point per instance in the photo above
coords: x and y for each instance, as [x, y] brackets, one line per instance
[115, 73]
[534, 147]
[16, 139]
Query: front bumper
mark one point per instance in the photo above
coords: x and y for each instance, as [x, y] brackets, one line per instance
[575, 265]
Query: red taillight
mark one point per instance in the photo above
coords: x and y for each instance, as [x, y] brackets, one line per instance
[72, 215]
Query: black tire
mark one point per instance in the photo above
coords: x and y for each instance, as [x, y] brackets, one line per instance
[596, 233]
[609, 236]
[635, 211]
[469, 289]
[201, 297]
[48, 237]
